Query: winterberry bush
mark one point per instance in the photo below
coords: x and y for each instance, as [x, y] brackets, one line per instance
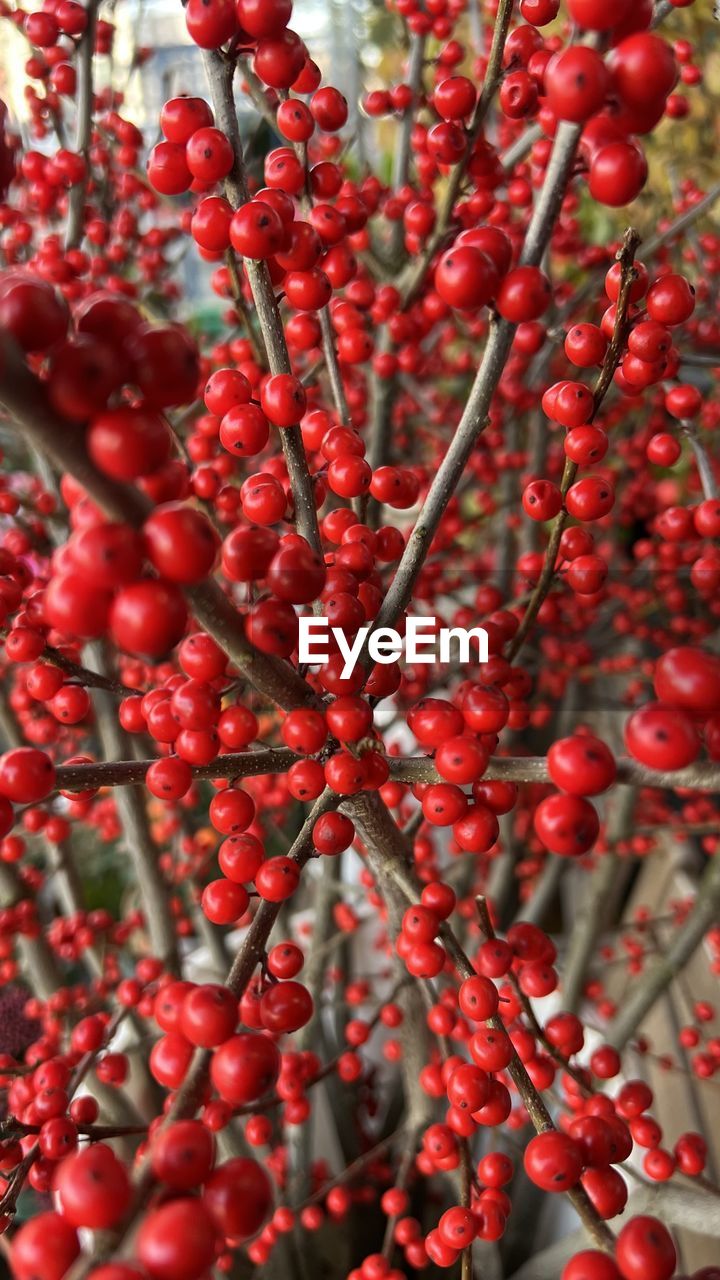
[346, 1009]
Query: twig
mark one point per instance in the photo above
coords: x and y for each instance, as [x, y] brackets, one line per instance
[256, 343]
[83, 135]
[520, 147]
[590, 919]
[403, 150]
[132, 814]
[123, 773]
[474, 417]
[491, 83]
[702, 461]
[626, 258]
[333, 369]
[83, 675]
[466, 1264]
[704, 775]
[682, 222]
[220, 75]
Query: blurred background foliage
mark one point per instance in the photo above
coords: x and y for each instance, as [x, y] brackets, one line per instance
[677, 149]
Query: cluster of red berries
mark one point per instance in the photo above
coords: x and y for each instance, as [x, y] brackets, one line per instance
[664, 734]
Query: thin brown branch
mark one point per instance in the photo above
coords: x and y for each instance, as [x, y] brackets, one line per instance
[466, 1262]
[220, 74]
[683, 221]
[83, 133]
[122, 773]
[389, 848]
[474, 417]
[403, 149]
[256, 343]
[132, 814]
[79, 674]
[702, 776]
[626, 258]
[491, 83]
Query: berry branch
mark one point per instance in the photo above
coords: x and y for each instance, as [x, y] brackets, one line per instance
[474, 417]
[491, 83]
[84, 124]
[626, 259]
[220, 74]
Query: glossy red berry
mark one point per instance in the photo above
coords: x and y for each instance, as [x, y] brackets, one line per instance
[553, 1161]
[244, 1068]
[466, 277]
[662, 737]
[182, 1154]
[208, 1015]
[181, 543]
[567, 824]
[576, 82]
[524, 294]
[581, 765]
[645, 1251]
[126, 443]
[177, 1240]
[238, 1197]
[93, 1187]
[45, 1245]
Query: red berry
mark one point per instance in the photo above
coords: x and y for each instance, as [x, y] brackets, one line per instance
[244, 1068]
[662, 737]
[553, 1161]
[645, 1251]
[238, 1197]
[93, 1187]
[581, 765]
[177, 1240]
[567, 825]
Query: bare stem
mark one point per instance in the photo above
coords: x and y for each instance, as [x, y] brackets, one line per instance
[388, 851]
[123, 773]
[626, 258]
[702, 461]
[79, 674]
[220, 72]
[682, 222]
[491, 84]
[83, 133]
[645, 992]
[474, 417]
[132, 813]
[403, 150]
[704, 775]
